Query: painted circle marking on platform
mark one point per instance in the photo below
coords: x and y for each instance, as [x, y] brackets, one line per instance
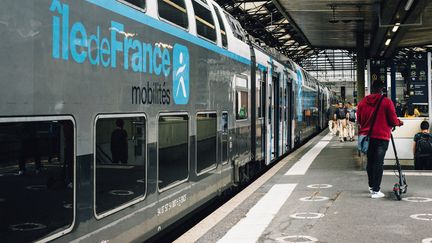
[121, 192]
[307, 215]
[140, 180]
[36, 187]
[314, 199]
[297, 239]
[320, 186]
[427, 240]
[417, 199]
[422, 216]
[27, 227]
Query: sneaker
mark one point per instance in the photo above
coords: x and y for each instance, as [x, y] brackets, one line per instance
[370, 190]
[377, 195]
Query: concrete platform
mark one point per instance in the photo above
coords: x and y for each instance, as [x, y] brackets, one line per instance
[319, 193]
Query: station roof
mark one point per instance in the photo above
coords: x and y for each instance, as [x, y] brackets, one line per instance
[302, 29]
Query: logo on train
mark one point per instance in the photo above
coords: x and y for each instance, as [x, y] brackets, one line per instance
[181, 74]
[119, 48]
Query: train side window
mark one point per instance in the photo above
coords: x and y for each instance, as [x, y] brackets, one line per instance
[204, 20]
[37, 178]
[173, 150]
[120, 162]
[206, 141]
[241, 99]
[222, 27]
[236, 28]
[259, 94]
[174, 11]
[140, 4]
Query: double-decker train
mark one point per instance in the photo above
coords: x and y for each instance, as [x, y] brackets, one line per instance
[120, 117]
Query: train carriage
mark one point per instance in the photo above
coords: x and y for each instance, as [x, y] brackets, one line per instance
[120, 117]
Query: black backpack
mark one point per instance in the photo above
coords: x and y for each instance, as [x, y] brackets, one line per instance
[424, 146]
[341, 113]
[352, 116]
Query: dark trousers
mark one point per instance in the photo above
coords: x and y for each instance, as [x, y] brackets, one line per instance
[375, 155]
[119, 157]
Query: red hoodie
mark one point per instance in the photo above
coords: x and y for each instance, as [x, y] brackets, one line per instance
[385, 120]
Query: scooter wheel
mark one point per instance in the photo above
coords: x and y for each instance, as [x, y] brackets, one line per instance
[397, 191]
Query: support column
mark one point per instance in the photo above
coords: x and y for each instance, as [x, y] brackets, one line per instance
[393, 81]
[360, 61]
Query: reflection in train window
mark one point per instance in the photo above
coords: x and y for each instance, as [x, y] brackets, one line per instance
[242, 107]
[136, 3]
[241, 98]
[206, 141]
[173, 150]
[174, 11]
[120, 157]
[36, 179]
[204, 20]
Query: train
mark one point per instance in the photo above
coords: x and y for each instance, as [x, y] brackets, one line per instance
[119, 118]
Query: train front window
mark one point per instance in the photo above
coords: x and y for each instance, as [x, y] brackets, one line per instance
[36, 179]
[120, 159]
[173, 150]
[204, 20]
[206, 141]
[174, 11]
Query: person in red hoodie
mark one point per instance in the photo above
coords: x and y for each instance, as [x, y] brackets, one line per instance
[380, 135]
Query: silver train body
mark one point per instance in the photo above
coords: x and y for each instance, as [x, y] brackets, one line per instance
[202, 110]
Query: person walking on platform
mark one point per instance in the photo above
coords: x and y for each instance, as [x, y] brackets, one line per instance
[331, 120]
[351, 120]
[381, 107]
[422, 148]
[341, 115]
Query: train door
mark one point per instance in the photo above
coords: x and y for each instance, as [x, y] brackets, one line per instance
[276, 114]
[269, 117]
[270, 126]
[288, 113]
[281, 117]
[323, 112]
[261, 125]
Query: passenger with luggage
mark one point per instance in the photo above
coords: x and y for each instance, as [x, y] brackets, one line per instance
[341, 114]
[376, 116]
[422, 148]
[331, 120]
